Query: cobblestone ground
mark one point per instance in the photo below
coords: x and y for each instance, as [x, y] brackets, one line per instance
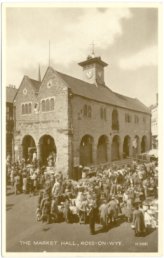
[24, 234]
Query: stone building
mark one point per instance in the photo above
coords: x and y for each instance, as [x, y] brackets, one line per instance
[154, 123]
[10, 95]
[82, 122]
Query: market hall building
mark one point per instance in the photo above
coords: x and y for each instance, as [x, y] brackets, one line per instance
[82, 122]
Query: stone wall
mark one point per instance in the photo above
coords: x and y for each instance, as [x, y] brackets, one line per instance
[97, 127]
[38, 124]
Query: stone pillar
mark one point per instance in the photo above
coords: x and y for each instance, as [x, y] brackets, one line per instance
[121, 149]
[94, 153]
[139, 146]
[109, 147]
[38, 151]
[21, 152]
[130, 149]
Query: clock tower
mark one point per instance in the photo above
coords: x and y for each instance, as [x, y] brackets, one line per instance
[93, 70]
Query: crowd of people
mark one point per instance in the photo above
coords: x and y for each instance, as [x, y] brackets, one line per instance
[129, 191]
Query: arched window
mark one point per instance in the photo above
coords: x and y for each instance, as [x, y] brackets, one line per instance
[104, 113]
[47, 105]
[29, 108]
[144, 119]
[43, 105]
[23, 109]
[101, 113]
[26, 108]
[127, 118]
[85, 110]
[89, 111]
[136, 119]
[115, 123]
[52, 104]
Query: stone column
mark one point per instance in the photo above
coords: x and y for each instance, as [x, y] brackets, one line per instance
[20, 152]
[38, 151]
[109, 147]
[130, 149]
[139, 146]
[94, 153]
[121, 149]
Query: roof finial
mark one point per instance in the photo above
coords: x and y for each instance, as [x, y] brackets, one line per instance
[93, 49]
[39, 74]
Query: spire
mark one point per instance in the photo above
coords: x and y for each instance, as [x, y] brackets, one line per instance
[39, 74]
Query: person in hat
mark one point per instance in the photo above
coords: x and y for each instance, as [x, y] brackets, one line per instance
[113, 209]
[138, 221]
[129, 209]
[92, 218]
[103, 209]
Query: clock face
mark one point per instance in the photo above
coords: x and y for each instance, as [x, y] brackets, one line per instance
[49, 83]
[89, 74]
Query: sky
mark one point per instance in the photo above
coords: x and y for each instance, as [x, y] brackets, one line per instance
[126, 38]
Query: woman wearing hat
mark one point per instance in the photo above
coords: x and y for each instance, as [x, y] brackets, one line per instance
[138, 221]
[92, 218]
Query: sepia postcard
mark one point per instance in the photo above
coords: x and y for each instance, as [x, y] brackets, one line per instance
[81, 130]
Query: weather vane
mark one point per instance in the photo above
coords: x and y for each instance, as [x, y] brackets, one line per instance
[93, 49]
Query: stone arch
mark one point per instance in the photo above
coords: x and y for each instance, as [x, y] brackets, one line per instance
[48, 149]
[86, 146]
[102, 152]
[144, 144]
[126, 146]
[136, 145]
[28, 147]
[115, 148]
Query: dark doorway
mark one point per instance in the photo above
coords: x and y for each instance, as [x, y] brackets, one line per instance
[102, 149]
[143, 144]
[86, 150]
[47, 149]
[126, 147]
[29, 147]
[115, 148]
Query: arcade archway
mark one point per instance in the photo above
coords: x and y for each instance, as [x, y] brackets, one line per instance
[47, 149]
[102, 149]
[135, 145]
[126, 146]
[28, 147]
[143, 144]
[86, 150]
[115, 148]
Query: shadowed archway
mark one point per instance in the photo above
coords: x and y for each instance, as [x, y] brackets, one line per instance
[86, 150]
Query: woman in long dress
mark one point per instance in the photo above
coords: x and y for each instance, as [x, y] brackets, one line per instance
[138, 221]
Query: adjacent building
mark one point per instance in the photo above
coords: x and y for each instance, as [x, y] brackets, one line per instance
[154, 123]
[79, 122]
[10, 95]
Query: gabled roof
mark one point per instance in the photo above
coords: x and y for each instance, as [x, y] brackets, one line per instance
[10, 94]
[35, 84]
[103, 94]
